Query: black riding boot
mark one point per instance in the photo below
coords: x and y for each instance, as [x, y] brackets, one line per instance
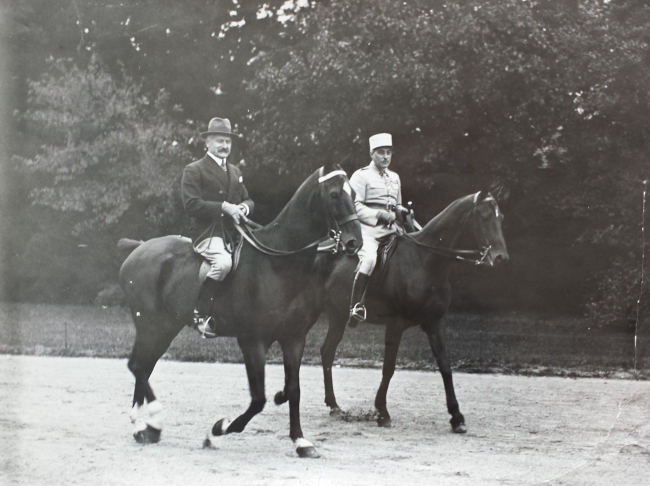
[203, 320]
[357, 309]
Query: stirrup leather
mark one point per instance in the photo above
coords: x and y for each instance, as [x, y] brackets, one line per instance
[358, 312]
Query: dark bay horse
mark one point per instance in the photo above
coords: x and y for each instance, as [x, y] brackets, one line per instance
[161, 281]
[413, 291]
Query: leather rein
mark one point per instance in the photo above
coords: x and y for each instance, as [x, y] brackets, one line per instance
[479, 256]
[334, 233]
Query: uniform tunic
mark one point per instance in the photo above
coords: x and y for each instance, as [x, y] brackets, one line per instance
[205, 186]
[376, 190]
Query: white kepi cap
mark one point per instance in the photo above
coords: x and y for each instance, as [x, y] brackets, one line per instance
[381, 140]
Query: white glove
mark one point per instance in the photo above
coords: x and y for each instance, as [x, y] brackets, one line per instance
[235, 212]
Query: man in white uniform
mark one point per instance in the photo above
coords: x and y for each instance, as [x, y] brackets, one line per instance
[378, 200]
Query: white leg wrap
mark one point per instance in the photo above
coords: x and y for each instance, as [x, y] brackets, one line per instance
[136, 413]
[154, 415]
[137, 418]
[302, 443]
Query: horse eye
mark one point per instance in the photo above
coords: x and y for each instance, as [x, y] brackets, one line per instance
[335, 195]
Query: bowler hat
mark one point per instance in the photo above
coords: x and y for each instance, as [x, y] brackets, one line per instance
[219, 126]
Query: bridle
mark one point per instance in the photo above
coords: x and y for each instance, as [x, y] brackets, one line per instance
[334, 225]
[478, 257]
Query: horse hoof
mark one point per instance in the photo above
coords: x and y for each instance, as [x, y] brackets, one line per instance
[147, 436]
[384, 422]
[280, 398]
[221, 427]
[336, 412]
[459, 429]
[306, 449]
[308, 452]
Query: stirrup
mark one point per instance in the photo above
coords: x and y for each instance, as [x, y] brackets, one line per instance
[357, 314]
[204, 326]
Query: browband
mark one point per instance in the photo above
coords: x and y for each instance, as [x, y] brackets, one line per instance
[330, 175]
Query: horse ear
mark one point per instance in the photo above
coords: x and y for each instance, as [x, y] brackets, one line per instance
[329, 166]
[483, 195]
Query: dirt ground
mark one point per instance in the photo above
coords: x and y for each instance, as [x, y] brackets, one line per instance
[66, 421]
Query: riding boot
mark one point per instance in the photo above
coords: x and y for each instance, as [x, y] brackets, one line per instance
[357, 309]
[203, 320]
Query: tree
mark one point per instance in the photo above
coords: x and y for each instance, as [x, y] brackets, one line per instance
[546, 101]
[110, 158]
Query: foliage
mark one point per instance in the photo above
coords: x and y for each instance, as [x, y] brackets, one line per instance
[547, 101]
[105, 147]
[543, 102]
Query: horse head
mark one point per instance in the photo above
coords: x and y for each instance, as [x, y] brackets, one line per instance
[337, 202]
[486, 221]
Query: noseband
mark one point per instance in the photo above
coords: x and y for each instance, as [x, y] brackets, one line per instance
[478, 257]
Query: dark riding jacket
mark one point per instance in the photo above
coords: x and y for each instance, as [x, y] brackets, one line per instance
[205, 186]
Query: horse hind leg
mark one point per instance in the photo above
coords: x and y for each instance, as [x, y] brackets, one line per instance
[147, 350]
[437, 343]
[393, 338]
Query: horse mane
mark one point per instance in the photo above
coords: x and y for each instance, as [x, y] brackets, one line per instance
[441, 217]
[306, 184]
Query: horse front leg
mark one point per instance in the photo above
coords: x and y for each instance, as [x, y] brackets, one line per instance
[335, 332]
[292, 355]
[393, 338]
[254, 352]
[436, 338]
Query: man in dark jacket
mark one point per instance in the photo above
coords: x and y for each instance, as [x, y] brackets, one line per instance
[214, 196]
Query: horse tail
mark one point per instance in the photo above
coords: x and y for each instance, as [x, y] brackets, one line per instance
[127, 245]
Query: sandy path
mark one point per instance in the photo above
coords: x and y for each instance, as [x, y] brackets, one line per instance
[65, 421]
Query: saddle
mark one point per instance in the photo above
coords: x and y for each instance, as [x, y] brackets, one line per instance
[387, 244]
[386, 249]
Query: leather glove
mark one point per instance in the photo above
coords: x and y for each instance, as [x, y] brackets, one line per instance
[402, 211]
[235, 212]
[386, 218]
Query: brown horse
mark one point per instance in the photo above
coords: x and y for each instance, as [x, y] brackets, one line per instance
[161, 281]
[413, 290]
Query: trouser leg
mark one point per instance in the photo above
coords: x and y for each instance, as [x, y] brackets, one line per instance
[357, 309]
[214, 251]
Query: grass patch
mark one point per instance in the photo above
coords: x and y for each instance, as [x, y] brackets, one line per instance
[514, 344]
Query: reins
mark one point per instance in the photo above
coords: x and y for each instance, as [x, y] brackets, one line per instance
[334, 232]
[461, 255]
[247, 234]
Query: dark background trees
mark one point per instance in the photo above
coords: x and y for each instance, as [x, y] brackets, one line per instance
[545, 103]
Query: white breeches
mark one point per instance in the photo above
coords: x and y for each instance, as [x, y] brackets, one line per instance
[368, 252]
[214, 251]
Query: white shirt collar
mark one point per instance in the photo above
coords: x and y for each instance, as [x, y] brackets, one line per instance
[219, 161]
